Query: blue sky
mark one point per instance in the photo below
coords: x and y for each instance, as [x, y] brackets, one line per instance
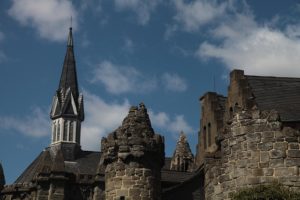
[165, 53]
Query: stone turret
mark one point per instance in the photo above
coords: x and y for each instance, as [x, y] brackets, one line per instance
[133, 156]
[2, 177]
[183, 158]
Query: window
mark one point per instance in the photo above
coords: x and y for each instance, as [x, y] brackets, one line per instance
[209, 134]
[54, 132]
[65, 130]
[71, 131]
[230, 112]
[122, 198]
[58, 131]
[204, 137]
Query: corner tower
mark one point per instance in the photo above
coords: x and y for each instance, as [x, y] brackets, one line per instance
[133, 156]
[67, 111]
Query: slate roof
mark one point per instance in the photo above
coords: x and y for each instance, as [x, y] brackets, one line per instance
[69, 76]
[87, 162]
[279, 93]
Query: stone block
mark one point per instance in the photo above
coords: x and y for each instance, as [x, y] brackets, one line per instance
[263, 164]
[294, 145]
[257, 172]
[279, 162]
[252, 180]
[289, 162]
[291, 139]
[224, 178]
[122, 192]
[281, 146]
[254, 137]
[275, 153]
[265, 146]
[268, 172]
[294, 153]
[264, 156]
[283, 171]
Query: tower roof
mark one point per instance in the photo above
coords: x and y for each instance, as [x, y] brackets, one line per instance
[68, 77]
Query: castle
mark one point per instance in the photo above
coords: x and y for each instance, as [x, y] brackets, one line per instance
[248, 138]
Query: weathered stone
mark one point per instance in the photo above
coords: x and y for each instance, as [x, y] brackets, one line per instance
[294, 145]
[265, 146]
[277, 154]
[279, 162]
[294, 153]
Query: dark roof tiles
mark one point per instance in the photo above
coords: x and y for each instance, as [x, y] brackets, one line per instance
[277, 93]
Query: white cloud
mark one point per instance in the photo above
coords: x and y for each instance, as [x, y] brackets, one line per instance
[101, 118]
[258, 49]
[37, 124]
[174, 124]
[142, 8]
[122, 79]
[194, 14]
[104, 117]
[50, 18]
[174, 82]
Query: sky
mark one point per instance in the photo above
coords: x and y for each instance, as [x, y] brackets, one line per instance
[165, 53]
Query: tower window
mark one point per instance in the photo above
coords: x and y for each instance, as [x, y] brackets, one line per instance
[71, 131]
[65, 134]
[54, 132]
[122, 198]
[209, 134]
[58, 131]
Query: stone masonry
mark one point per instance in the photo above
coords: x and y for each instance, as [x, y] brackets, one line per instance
[133, 156]
[255, 149]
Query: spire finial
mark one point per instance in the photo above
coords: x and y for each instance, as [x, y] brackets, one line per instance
[70, 37]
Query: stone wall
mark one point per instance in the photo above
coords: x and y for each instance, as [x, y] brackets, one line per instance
[255, 149]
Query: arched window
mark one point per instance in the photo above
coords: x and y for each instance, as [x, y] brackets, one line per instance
[66, 124]
[54, 132]
[204, 137]
[209, 134]
[58, 131]
[71, 132]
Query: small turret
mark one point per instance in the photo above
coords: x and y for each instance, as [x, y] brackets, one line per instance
[133, 156]
[183, 158]
[2, 177]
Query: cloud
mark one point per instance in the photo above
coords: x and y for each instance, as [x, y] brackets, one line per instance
[50, 18]
[122, 79]
[101, 118]
[143, 9]
[258, 49]
[194, 14]
[36, 124]
[174, 124]
[173, 82]
[104, 117]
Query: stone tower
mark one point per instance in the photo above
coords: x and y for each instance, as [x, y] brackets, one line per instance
[183, 158]
[67, 111]
[133, 156]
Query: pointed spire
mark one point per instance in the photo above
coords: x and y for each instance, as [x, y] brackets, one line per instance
[183, 157]
[69, 76]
